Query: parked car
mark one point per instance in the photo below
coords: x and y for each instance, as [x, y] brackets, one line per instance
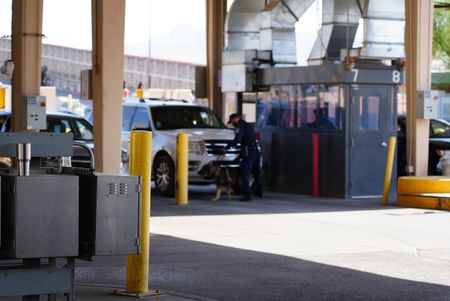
[165, 119]
[59, 122]
[439, 141]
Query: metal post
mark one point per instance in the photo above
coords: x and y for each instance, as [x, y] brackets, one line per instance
[315, 159]
[388, 172]
[239, 102]
[140, 165]
[31, 263]
[52, 264]
[2, 98]
[23, 153]
[181, 184]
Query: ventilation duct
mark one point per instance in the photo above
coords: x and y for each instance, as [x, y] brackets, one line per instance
[242, 25]
[277, 29]
[258, 31]
[340, 19]
[384, 29]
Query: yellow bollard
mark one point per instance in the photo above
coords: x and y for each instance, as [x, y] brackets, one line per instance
[181, 184]
[140, 165]
[388, 171]
[2, 98]
[139, 93]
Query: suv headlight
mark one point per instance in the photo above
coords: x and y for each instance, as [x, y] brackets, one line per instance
[197, 147]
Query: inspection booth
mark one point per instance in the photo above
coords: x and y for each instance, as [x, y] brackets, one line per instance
[326, 128]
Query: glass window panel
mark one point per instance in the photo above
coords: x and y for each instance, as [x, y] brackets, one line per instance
[127, 116]
[184, 117]
[439, 129]
[306, 106]
[369, 112]
[84, 130]
[329, 114]
[141, 120]
[58, 125]
[268, 109]
[287, 108]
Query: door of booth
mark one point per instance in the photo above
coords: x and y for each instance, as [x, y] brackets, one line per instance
[372, 115]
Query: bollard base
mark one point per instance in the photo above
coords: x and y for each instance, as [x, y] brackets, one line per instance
[150, 293]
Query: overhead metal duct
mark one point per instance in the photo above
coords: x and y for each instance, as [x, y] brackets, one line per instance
[277, 29]
[241, 45]
[258, 31]
[242, 25]
[384, 29]
[340, 19]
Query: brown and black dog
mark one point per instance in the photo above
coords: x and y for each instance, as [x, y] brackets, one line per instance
[222, 176]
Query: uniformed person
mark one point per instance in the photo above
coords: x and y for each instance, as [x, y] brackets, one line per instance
[245, 136]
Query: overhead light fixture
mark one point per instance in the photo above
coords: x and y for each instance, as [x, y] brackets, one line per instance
[350, 64]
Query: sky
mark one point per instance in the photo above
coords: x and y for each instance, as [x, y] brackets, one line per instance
[68, 22]
[176, 34]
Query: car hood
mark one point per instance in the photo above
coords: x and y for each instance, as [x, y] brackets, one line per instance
[202, 134]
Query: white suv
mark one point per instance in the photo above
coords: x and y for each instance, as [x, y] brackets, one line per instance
[166, 118]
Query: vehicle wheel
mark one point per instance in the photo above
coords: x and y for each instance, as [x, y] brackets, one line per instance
[164, 175]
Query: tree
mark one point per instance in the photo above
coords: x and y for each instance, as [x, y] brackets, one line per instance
[441, 32]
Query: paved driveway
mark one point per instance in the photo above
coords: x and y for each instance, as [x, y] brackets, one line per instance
[291, 247]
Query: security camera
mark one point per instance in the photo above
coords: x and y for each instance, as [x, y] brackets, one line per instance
[7, 68]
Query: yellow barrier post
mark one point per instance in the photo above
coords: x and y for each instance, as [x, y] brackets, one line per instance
[2, 98]
[139, 93]
[388, 171]
[140, 165]
[181, 184]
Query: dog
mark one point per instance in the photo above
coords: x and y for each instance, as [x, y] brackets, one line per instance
[222, 176]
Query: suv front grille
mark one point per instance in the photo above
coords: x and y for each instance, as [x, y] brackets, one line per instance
[216, 147]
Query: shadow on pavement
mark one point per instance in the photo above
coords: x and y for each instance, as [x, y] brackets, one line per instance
[224, 273]
[272, 203]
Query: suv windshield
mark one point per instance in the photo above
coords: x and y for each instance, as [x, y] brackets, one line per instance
[184, 117]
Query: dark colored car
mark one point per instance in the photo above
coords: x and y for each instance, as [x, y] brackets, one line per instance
[64, 123]
[439, 141]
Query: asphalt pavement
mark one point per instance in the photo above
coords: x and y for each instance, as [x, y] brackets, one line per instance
[284, 247]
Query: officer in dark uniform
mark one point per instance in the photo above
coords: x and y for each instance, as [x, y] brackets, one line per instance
[245, 136]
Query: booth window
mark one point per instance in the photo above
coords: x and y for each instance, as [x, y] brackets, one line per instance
[287, 107]
[329, 113]
[268, 109]
[369, 112]
[306, 106]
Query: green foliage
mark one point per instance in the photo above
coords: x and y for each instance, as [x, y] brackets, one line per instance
[441, 33]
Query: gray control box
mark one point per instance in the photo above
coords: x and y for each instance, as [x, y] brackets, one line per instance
[39, 216]
[35, 117]
[110, 214]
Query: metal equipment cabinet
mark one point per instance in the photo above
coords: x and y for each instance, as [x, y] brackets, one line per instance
[109, 214]
[36, 221]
